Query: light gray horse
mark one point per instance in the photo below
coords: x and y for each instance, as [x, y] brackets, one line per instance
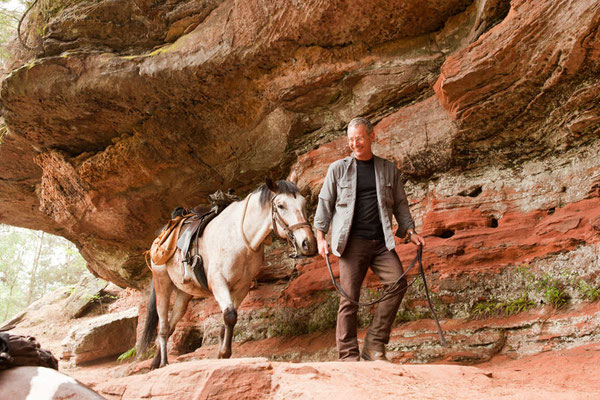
[232, 249]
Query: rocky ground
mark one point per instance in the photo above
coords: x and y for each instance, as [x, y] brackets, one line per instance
[305, 366]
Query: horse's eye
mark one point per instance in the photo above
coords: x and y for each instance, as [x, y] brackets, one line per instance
[280, 206]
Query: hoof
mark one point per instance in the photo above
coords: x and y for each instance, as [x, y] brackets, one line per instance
[156, 362]
[226, 354]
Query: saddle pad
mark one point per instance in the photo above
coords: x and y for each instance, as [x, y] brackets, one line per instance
[165, 244]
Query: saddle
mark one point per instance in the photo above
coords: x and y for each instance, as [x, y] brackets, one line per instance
[183, 229]
[193, 227]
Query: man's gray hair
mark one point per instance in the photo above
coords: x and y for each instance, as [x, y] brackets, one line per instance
[361, 121]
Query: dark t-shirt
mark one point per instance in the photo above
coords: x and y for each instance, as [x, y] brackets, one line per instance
[366, 223]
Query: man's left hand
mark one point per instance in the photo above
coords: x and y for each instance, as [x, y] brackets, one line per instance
[417, 239]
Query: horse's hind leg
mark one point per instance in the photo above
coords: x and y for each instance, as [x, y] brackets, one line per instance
[182, 299]
[164, 288]
[222, 295]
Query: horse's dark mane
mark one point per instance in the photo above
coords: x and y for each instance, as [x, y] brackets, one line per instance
[284, 187]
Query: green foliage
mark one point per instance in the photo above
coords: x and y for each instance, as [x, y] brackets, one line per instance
[128, 354]
[100, 298]
[492, 308]
[587, 291]
[404, 315]
[294, 322]
[552, 288]
[324, 316]
[9, 19]
[47, 9]
[33, 264]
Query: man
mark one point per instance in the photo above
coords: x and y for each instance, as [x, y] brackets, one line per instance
[359, 195]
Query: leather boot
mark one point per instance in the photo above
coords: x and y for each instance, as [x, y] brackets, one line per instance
[373, 350]
[373, 355]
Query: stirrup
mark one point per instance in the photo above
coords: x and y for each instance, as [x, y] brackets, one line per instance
[187, 273]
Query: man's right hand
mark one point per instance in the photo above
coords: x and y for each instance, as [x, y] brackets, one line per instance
[322, 244]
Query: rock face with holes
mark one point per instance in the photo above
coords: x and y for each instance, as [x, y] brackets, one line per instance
[489, 107]
[118, 122]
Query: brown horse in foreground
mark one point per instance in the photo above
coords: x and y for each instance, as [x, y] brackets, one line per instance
[232, 249]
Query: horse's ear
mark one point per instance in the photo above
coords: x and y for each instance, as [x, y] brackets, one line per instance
[293, 177]
[271, 185]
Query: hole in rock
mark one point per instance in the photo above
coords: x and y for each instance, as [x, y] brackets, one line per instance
[493, 223]
[551, 210]
[563, 189]
[191, 339]
[444, 233]
[471, 192]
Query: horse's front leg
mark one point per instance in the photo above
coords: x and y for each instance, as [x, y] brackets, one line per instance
[229, 319]
[220, 290]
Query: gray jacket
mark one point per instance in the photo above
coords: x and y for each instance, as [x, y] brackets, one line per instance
[338, 196]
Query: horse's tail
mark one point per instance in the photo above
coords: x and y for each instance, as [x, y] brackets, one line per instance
[149, 333]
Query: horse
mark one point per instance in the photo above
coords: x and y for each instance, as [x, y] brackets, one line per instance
[232, 250]
[41, 383]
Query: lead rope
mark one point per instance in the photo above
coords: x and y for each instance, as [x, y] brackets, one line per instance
[395, 289]
[246, 242]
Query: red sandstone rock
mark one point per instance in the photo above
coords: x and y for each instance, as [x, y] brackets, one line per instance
[511, 73]
[107, 335]
[241, 93]
[260, 379]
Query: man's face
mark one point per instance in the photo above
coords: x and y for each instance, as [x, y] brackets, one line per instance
[360, 142]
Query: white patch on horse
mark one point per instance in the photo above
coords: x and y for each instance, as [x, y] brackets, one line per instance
[45, 384]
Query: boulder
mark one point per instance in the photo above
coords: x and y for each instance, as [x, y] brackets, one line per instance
[85, 292]
[101, 337]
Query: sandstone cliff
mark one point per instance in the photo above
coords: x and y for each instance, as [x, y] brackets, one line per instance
[490, 108]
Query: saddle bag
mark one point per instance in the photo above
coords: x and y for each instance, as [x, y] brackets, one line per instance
[19, 351]
[165, 244]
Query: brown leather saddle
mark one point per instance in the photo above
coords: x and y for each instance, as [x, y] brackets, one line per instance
[193, 227]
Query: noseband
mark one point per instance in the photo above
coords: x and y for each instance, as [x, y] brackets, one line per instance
[288, 229]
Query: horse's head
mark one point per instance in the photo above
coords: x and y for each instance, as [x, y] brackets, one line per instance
[288, 210]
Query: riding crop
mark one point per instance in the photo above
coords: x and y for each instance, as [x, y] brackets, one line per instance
[395, 289]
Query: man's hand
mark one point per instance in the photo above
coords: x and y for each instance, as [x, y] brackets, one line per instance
[322, 244]
[417, 239]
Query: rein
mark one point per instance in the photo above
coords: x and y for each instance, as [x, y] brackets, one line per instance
[394, 289]
[246, 242]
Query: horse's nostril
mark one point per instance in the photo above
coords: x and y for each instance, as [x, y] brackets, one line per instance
[305, 244]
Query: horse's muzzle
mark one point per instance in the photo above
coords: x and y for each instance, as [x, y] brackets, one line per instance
[309, 247]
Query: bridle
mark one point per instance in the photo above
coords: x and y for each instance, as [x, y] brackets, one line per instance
[288, 229]
[276, 220]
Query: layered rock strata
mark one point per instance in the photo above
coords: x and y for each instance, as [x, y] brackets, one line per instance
[108, 136]
[489, 108]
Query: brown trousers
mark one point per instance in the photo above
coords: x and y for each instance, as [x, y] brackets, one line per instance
[359, 255]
